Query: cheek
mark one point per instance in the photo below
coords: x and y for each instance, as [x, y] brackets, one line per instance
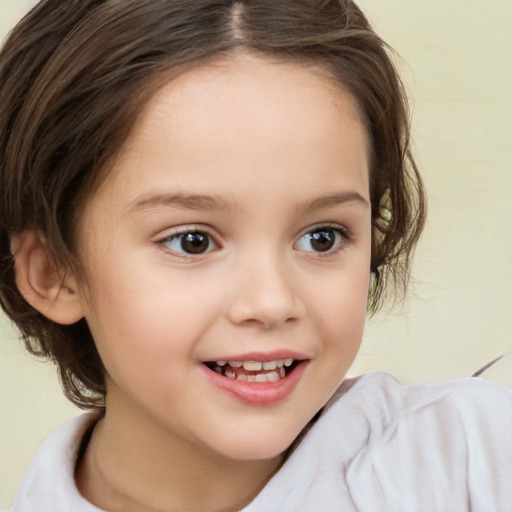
[345, 314]
[140, 317]
[342, 309]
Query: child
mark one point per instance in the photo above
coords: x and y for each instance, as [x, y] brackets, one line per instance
[200, 203]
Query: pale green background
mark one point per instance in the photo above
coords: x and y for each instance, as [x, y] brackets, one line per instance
[459, 71]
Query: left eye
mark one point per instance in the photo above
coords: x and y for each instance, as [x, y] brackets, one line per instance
[321, 240]
[190, 242]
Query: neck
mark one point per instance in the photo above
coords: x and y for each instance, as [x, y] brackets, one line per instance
[133, 464]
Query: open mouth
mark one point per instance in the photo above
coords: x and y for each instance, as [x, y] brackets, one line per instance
[254, 371]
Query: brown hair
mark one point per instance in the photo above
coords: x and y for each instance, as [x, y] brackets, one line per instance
[74, 74]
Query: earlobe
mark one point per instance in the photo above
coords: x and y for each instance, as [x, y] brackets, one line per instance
[39, 281]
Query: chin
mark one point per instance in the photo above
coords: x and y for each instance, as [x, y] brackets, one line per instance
[259, 445]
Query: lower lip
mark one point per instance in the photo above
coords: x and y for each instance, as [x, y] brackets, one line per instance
[257, 393]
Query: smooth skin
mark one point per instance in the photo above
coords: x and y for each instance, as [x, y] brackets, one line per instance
[255, 155]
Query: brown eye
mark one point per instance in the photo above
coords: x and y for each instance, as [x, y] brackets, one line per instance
[321, 240]
[195, 243]
[191, 242]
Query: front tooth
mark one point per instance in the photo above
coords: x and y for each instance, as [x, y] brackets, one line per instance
[282, 372]
[251, 378]
[280, 363]
[288, 362]
[230, 374]
[273, 377]
[270, 365]
[242, 376]
[253, 366]
[260, 377]
[235, 364]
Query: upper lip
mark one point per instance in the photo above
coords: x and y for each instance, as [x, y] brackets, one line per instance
[262, 356]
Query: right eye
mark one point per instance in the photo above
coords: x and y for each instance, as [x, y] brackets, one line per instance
[190, 243]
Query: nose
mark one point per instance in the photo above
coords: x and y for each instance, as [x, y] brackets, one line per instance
[264, 293]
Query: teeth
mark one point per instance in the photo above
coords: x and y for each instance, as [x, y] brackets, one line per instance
[229, 369]
[272, 377]
[230, 374]
[253, 366]
[260, 377]
[256, 366]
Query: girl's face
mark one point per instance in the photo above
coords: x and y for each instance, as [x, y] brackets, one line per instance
[234, 227]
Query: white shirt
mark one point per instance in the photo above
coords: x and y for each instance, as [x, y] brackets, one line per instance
[378, 446]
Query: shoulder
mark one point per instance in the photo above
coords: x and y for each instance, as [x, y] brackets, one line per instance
[48, 483]
[383, 399]
[471, 409]
[445, 442]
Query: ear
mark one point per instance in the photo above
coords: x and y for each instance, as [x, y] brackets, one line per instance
[38, 280]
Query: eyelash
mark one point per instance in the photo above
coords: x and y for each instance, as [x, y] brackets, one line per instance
[180, 233]
[343, 238]
[342, 234]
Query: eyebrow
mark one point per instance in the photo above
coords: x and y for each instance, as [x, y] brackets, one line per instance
[205, 202]
[185, 201]
[330, 200]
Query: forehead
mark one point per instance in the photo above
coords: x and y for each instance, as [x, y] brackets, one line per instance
[231, 121]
